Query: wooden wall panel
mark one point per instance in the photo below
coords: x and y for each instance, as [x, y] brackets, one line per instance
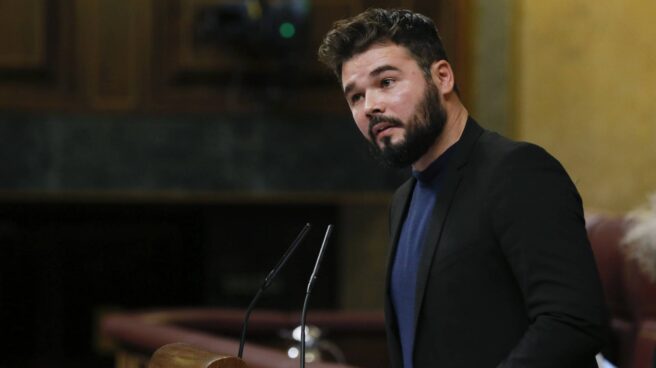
[36, 64]
[114, 40]
[200, 57]
[25, 21]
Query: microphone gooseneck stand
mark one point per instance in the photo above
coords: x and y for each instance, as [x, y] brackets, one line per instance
[267, 281]
[308, 291]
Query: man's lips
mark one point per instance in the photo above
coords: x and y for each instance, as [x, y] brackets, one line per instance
[380, 127]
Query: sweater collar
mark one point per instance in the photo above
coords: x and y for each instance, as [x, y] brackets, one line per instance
[435, 167]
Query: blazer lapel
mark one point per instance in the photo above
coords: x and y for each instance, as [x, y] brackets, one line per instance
[441, 211]
[398, 209]
[397, 213]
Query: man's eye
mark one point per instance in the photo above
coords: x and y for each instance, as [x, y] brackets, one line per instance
[356, 97]
[387, 82]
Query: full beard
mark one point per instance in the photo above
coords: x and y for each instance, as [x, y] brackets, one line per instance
[421, 132]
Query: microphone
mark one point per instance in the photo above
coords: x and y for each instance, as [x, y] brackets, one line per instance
[308, 291]
[267, 281]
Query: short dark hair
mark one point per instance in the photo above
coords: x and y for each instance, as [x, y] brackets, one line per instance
[351, 36]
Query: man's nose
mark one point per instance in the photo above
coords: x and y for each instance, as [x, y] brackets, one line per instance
[373, 104]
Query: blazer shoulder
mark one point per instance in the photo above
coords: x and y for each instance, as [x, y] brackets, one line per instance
[497, 150]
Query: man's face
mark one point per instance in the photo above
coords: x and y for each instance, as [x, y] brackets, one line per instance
[392, 103]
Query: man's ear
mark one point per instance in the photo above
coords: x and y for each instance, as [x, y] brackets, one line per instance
[443, 77]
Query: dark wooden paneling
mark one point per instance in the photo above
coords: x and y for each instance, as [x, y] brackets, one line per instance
[144, 55]
[24, 20]
[114, 45]
[189, 75]
[36, 63]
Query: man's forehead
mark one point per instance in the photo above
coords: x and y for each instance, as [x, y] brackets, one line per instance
[376, 56]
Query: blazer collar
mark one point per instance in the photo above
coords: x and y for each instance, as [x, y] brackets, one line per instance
[466, 143]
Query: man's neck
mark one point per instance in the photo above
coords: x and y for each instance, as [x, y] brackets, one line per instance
[453, 128]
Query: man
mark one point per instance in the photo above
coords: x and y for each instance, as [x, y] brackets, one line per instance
[490, 265]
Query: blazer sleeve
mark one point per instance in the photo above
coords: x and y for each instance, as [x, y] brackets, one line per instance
[538, 220]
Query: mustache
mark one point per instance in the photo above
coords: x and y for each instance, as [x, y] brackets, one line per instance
[377, 119]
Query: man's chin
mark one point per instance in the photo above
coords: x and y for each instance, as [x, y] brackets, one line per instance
[386, 143]
[393, 156]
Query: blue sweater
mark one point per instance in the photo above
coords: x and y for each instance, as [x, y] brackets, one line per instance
[409, 248]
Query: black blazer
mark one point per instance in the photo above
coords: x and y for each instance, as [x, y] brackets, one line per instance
[507, 277]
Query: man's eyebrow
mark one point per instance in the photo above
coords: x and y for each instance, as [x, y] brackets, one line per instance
[383, 68]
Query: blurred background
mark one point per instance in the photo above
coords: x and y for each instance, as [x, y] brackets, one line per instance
[164, 153]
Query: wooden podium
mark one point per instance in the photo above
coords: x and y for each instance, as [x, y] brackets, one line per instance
[208, 338]
[180, 355]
